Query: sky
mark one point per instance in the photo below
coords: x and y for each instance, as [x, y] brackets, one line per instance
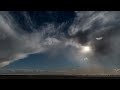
[60, 40]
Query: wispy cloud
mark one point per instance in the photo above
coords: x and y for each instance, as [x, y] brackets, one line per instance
[16, 44]
[97, 24]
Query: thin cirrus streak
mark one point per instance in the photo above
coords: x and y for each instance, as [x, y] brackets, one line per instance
[16, 44]
[87, 26]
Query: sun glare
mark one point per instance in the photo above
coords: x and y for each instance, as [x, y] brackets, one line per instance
[86, 49]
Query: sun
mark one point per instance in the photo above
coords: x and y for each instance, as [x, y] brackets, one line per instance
[86, 49]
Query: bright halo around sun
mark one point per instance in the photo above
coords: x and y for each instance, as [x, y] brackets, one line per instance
[85, 49]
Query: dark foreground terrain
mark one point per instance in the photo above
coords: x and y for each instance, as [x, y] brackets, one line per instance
[42, 74]
[59, 77]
